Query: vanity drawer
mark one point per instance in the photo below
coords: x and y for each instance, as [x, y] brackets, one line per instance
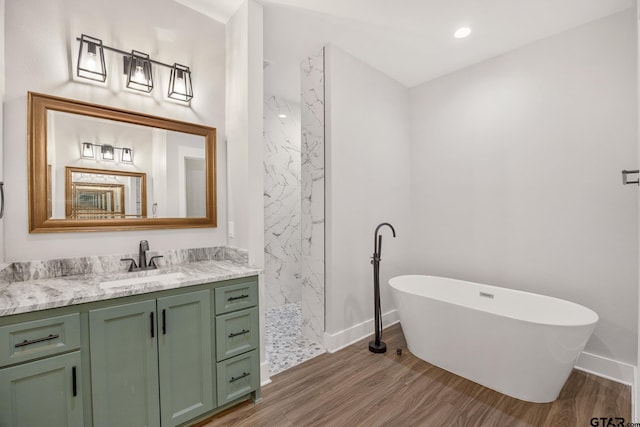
[236, 333]
[238, 376]
[236, 297]
[39, 338]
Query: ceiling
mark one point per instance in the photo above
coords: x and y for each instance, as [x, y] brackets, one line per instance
[409, 40]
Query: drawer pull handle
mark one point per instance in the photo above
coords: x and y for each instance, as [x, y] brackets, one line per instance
[74, 381]
[237, 298]
[237, 334]
[26, 343]
[152, 325]
[244, 375]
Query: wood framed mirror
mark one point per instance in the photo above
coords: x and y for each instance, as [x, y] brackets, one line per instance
[98, 168]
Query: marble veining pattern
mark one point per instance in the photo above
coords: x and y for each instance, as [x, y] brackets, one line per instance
[7, 273]
[237, 255]
[52, 292]
[282, 191]
[32, 270]
[313, 183]
[285, 344]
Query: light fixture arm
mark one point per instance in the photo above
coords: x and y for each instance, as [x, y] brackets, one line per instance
[122, 52]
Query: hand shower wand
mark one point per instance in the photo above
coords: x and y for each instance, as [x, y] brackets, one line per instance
[377, 346]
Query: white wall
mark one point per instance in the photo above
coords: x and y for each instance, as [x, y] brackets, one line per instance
[40, 49]
[244, 99]
[2, 97]
[367, 173]
[244, 128]
[516, 175]
[636, 396]
[236, 138]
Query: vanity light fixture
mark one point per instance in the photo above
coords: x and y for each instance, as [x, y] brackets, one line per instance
[91, 59]
[137, 68]
[127, 155]
[180, 83]
[107, 152]
[87, 150]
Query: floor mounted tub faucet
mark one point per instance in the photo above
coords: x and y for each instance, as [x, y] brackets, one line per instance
[377, 345]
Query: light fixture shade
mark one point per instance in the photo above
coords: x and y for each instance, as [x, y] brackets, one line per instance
[91, 59]
[87, 150]
[139, 76]
[107, 152]
[180, 83]
[127, 155]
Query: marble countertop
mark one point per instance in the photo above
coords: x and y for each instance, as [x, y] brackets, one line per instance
[41, 294]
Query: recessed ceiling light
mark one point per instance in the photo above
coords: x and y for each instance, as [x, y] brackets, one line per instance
[462, 32]
[282, 116]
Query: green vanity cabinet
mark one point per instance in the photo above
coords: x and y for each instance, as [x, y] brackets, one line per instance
[27, 341]
[237, 340]
[184, 343]
[236, 333]
[160, 359]
[41, 373]
[47, 392]
[124, 365]
[139, 348]
[237, 296]
[238, 376]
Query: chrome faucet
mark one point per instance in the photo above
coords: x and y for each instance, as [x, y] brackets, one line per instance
[142, 259]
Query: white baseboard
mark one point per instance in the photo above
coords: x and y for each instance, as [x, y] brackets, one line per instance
[346, 337]
[265, 376]
[607, 368]
[613, 370]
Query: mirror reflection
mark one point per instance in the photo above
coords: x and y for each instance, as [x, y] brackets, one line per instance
[174, 163]
[99, 194]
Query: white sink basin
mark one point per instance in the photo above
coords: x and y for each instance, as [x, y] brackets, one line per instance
[140, 280]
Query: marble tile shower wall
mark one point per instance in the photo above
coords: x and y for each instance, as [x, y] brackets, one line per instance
[282, 192]
[313, 120]
[30, 270]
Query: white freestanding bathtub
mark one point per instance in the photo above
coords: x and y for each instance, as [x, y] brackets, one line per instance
[518, 343]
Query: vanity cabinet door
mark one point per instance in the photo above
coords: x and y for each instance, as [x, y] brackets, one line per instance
[42, 393]
[185, 357]
[124, 365]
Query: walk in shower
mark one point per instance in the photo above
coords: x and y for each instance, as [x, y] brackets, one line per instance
[285, 343]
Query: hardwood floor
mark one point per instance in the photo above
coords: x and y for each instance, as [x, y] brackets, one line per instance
[354, 387]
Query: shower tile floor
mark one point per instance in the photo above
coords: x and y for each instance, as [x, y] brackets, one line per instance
[284, 342]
